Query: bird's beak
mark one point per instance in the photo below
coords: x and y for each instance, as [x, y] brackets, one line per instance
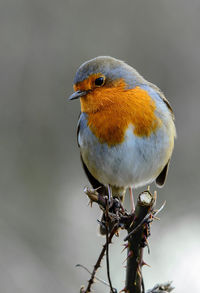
[77, 95]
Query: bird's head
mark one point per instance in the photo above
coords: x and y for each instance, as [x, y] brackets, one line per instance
[100, 78]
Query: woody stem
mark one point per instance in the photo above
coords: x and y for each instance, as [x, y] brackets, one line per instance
[98, 263]
[134, 280]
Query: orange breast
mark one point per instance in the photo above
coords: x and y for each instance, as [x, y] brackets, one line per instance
[111, 110]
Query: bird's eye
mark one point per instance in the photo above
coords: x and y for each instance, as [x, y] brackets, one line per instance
[99, 81]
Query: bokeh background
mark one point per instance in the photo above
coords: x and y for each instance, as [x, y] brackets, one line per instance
[46, 227]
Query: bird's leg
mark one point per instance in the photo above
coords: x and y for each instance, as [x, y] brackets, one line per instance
[132, 200]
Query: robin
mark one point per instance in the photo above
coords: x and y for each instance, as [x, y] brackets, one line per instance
[126, 127]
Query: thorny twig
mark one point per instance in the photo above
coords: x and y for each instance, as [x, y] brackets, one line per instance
[136, 243]
[107, 247]
[98, 263]
[147, 219]
[136, 224]
[96, 278]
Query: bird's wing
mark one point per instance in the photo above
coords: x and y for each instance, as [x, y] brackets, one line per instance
[78, 129]
[93, 181]
[162, 96]
[160, 180]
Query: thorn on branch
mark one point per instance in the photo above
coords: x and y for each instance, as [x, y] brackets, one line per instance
[126, 245]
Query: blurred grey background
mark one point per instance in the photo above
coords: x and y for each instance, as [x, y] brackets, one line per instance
[46, 227]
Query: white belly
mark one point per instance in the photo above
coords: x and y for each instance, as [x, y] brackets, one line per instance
[135, 162]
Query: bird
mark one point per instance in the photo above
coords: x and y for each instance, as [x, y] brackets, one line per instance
[125, 130]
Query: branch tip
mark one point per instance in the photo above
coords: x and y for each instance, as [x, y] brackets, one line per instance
[145, 198]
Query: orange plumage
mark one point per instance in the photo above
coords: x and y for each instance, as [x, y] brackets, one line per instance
[111, 110]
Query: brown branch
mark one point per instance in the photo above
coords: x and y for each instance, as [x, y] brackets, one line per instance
[134, 280]
[107, 247]
[98, 263]
[96, 278]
